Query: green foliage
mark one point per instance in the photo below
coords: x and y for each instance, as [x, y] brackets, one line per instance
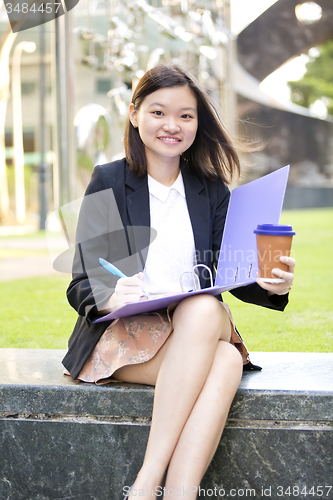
[83, 161]
[317, 83]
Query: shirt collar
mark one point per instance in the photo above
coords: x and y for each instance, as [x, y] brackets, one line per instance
[161, 191]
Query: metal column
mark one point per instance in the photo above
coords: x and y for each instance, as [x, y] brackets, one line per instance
[64, 63]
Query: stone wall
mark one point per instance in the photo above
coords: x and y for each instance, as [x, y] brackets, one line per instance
[67, 440]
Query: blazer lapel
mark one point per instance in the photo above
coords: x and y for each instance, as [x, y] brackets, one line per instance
[199, 210]
[137, 202]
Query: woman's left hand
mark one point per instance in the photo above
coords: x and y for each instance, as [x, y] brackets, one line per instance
[287, 276]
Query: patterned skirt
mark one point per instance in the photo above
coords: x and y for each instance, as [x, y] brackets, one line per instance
[136, 339]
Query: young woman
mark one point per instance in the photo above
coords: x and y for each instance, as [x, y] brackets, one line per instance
[174, 179]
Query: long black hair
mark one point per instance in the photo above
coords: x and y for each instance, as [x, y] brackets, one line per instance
[212, 152]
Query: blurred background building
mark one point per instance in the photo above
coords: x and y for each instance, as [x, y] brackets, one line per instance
[74, 78]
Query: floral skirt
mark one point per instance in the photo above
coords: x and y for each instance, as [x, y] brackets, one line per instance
[136, 339]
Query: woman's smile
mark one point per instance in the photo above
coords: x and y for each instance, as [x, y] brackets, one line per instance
[169, 139]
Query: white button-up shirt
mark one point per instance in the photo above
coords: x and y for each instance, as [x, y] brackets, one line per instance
[172, 253]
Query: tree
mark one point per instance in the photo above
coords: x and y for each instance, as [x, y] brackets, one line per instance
[317, 83]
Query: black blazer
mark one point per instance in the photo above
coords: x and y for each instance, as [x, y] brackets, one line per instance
[207, 202]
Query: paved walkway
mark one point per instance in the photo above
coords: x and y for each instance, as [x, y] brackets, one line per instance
[30, 257]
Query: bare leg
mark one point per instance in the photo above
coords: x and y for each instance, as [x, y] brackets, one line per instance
[181, 370]
[202, 432]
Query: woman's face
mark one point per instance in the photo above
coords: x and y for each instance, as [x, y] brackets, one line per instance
[167, 121]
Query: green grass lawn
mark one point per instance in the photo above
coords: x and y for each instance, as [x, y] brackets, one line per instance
[35, 313]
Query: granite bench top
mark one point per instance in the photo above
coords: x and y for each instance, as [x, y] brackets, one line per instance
[292, 386]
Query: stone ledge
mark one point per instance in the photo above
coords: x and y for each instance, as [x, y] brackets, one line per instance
[67, 440]
[291, 386]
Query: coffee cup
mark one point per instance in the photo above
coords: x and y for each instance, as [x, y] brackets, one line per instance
[273, 241]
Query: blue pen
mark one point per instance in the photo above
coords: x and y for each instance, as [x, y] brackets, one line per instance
[114, 270]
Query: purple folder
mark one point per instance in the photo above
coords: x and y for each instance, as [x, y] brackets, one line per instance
[258, 202]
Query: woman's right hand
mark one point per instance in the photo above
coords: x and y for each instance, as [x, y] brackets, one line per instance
[129, 289]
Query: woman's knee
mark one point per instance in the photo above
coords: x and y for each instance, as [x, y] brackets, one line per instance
[226, 371]
[205, 315]
[228, 357]
[200, 308]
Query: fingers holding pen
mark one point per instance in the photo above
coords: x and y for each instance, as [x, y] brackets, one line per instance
[129, 289]
[127, 285]
[131, 286]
